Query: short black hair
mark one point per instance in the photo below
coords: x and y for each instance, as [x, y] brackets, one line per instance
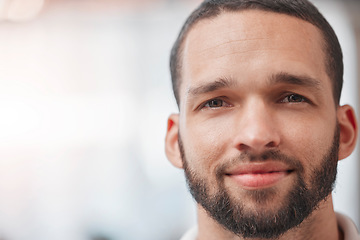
[301, 9]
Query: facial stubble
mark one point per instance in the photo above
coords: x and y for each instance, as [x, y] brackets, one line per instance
[300, 201]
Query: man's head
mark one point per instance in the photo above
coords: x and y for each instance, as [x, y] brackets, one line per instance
[259, 131]
[301, 9]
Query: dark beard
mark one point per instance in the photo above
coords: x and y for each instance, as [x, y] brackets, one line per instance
[300, 202]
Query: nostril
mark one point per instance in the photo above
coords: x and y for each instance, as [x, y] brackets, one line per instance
[256, 138]
[243, 147]
[271, 144]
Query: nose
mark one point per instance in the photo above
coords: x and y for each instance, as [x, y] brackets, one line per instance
[256, 128]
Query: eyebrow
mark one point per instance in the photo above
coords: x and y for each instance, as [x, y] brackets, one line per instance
[300, 80]
[212, 86]
[278, 78]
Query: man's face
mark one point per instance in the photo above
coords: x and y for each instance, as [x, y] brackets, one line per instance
[257, 121]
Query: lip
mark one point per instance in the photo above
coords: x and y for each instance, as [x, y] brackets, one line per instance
[253, 176]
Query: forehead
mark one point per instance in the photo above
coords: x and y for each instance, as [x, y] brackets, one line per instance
[252, 25]
[236, 43]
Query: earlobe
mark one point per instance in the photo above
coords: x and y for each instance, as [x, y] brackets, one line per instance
[172, 141]
[348, 130]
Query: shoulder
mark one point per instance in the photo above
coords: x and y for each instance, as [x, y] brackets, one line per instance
[191, 234]
[348, 227]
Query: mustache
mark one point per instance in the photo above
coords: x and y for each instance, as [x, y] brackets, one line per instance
[248, 157]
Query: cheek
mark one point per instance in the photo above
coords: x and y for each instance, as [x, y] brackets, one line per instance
[206, 142]
[308, 129]
[309, 143]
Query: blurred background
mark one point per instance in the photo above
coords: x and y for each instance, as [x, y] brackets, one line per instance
[84, 98]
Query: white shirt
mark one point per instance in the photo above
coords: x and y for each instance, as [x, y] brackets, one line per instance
[345, 224]
[348, 227]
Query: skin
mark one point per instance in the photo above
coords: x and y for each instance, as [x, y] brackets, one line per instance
[234, 98]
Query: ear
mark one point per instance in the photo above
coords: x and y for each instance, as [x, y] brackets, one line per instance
[348, 130]
[172, 141]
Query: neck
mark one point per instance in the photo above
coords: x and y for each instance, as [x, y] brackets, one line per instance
[321, 224]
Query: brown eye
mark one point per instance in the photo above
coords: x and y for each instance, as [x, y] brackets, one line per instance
[214, 103]
[294, 98]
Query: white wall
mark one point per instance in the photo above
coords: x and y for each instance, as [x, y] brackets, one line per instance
[84, 97]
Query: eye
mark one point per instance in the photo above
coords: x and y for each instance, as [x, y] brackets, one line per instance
[215, 103]
[294, 98]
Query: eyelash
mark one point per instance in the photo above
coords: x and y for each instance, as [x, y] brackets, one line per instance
[207, 104]
[286, 99]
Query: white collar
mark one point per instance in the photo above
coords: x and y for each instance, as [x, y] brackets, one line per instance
[348, 227]
[344, 223]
